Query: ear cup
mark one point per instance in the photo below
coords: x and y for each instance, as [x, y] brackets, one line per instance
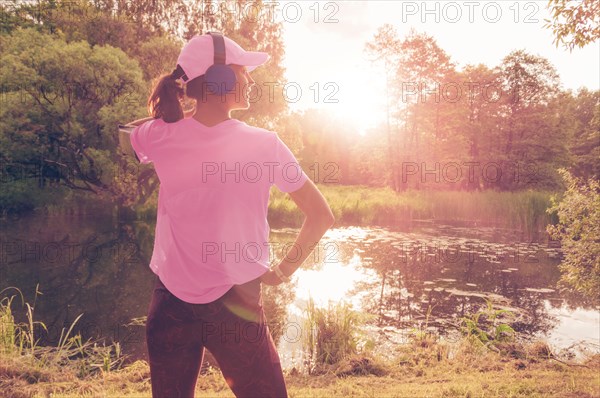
[220, 79]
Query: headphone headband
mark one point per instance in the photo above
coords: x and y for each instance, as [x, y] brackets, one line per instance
[219, 55]
[219, 46]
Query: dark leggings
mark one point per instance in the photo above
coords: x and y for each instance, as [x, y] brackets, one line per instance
[233, 328]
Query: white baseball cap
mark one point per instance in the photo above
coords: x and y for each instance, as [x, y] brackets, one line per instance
[198, 55]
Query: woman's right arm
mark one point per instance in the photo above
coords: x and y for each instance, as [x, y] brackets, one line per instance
[318, 219]
[140, 121]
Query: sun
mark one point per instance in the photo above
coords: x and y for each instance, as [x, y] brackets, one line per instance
[360, 99]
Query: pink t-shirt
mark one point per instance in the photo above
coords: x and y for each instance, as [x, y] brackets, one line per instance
[211, 228]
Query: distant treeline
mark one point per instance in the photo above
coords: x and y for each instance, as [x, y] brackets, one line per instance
[509, 127]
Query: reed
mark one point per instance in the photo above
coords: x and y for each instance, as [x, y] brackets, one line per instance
[18, 341]
[7, 327]
[351, 205]
[363, 205]
[331, 334]
[524, 210]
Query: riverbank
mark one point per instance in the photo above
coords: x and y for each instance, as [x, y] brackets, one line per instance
[361, 205]
[417, 370]
[481, 363]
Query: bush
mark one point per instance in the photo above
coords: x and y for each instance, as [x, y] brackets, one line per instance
[578, 230]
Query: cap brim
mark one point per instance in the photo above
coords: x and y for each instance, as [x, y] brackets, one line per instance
[252, 59]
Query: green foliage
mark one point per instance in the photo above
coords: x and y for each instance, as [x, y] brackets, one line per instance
[583, 112]
[485, 327]
[419, 335]
[19, 340]
[574, 23]
[532, 133]
[364, 205]
[330, 334]
[7, 327]
[16, 197]
[578, 230]
[60, 109]
[156, 56]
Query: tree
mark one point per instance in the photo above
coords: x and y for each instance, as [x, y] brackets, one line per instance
[422, 74]
[260, 33]
[530, 123]
[384, 49]
[578, 230]
[62, 104]
[95, 22]
[157, 56]
[325, 144]
[574, 23]
[480, 98]
[585, 144]
[153, 32]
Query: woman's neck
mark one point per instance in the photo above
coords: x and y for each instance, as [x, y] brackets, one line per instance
[211, 116]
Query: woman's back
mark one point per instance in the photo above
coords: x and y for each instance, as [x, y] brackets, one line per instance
[212, 229]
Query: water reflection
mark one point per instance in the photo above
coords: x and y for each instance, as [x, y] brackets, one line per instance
[332, 282]
[400, 275]
[88, 265]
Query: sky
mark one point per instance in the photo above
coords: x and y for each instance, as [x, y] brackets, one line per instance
[325, 60]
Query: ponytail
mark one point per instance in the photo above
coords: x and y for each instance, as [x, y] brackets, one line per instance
[164, 101]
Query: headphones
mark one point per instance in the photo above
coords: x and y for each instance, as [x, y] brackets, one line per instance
[219, 77]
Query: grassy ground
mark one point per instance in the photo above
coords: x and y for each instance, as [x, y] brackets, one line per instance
[488, 361]
[417, 370]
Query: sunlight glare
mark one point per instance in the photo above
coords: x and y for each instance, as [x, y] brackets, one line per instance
[332, 282]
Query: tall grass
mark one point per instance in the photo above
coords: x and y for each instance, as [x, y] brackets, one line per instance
[357, 205]
[363, 205]
[18, 340]
[331, 334]
[7, 328]
[525, 210]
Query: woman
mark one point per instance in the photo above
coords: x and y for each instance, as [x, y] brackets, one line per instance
[211, 241]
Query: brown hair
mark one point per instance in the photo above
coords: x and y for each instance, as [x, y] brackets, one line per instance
[164, 102]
